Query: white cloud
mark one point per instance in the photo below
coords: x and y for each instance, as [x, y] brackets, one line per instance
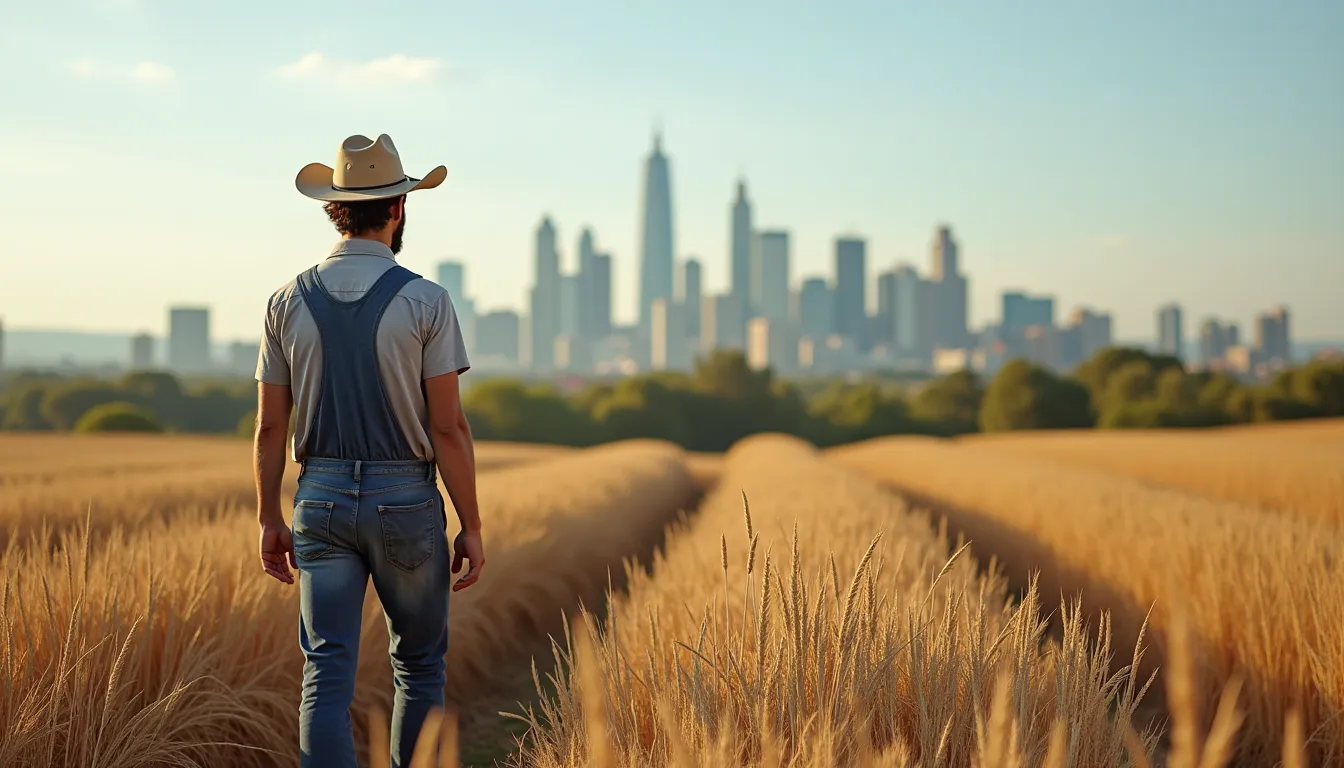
[151, 72]
[84, 67]
[397, 68]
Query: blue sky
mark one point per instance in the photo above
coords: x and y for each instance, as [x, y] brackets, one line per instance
[1117, 155]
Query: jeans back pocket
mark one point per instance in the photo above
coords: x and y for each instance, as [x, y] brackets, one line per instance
[409, 533]
[312, 529]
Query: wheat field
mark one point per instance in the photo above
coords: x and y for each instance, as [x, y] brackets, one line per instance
[160, 641]
[970, 603]
[829, 626]
[1295, 469]
[1261, 591]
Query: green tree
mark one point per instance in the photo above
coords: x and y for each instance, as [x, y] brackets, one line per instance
[159, 391]
[859, 412]
[503, 409]
[1132, 382]
[23, 408]
[1027, 396]
[117, 416]
[950, 405]
[64, 404]
[1095, 373]
[1320, 385]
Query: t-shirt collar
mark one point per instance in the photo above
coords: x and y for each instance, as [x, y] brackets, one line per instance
[359, 246]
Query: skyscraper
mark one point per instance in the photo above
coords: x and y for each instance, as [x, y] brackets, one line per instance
[1170, 331]
[452, 276]
[142, 352]
[912, 334]
[690, 296]
[570, 307]
[655, 261]
[771, 279]
[497, 336]
[600, 285]
[189, 339]
[816, 312]
[949, 292]
[851, 308]
[585, 290]
[723, 322]
[884, 322]
[740, 247]
[1273, 340]
[667, 348]
[1093, 330]
[1021, 311]
[545, 305]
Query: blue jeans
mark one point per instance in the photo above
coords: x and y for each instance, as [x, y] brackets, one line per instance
[355, 520]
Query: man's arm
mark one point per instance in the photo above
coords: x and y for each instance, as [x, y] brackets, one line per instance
[456, 459]
[274, 402]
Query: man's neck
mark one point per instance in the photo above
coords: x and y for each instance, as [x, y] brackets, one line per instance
[385, 239]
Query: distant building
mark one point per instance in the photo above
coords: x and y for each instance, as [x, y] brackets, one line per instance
[815, 313]
[825, 355]
[452, 276]
[569, 305]
[667, 345]
[883, 331]
[1273, 340]
[601, 288]
[772, 344]
[772, 278]
[851, 290]
[1021, 311]
[1170, 331]
[142, 352]
[912, 312]
[949, 292]
[572, 354]
[691, 297]
[1093, 332]
[656, 267]
[497, 336]
[723, 322]
[740, 249]
[544, 314]
[1215, 339]
[243, 357]
[189, 340]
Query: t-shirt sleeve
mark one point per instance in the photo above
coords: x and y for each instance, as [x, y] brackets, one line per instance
[444, 350]
[272, 365]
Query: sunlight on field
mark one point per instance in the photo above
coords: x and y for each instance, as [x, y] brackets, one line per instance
[163, 643]
[55, 481]
[1261, 590]
[1295, 469]
[794, 626]
[839, 627]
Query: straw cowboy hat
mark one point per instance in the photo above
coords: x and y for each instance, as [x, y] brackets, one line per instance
[365, 170]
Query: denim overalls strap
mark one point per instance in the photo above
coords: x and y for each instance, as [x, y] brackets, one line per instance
[352, 418]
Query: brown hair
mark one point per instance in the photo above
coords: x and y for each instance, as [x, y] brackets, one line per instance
[361, 217]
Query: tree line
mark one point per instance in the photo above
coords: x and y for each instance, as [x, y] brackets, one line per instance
[723, 400]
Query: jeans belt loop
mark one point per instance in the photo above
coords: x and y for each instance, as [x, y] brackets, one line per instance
[357, 463]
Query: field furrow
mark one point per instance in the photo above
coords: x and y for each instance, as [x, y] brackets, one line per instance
[1261, 592]
[1283, 470]
[797, 635]
[165, 644]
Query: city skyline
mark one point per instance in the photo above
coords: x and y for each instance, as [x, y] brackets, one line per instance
[1205, 169]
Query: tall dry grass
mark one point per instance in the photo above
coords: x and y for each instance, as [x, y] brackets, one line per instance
[1263, 592]
[839, 630]
[164, 644]
[1274, 470]
[51, 482]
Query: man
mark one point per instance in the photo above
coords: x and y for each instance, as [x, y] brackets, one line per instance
[369, 355]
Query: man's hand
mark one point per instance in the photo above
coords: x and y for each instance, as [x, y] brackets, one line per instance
[468, 545]
[277, 552]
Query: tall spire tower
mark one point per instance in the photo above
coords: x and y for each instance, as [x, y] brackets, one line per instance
[656, 268]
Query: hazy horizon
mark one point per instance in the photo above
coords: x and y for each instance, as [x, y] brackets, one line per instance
[1117, 157]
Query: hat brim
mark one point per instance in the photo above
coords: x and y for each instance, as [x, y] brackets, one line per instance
[315, 180]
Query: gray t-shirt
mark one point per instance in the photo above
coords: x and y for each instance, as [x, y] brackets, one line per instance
[418, 338]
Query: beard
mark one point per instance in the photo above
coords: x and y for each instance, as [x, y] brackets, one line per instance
[396, 235]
